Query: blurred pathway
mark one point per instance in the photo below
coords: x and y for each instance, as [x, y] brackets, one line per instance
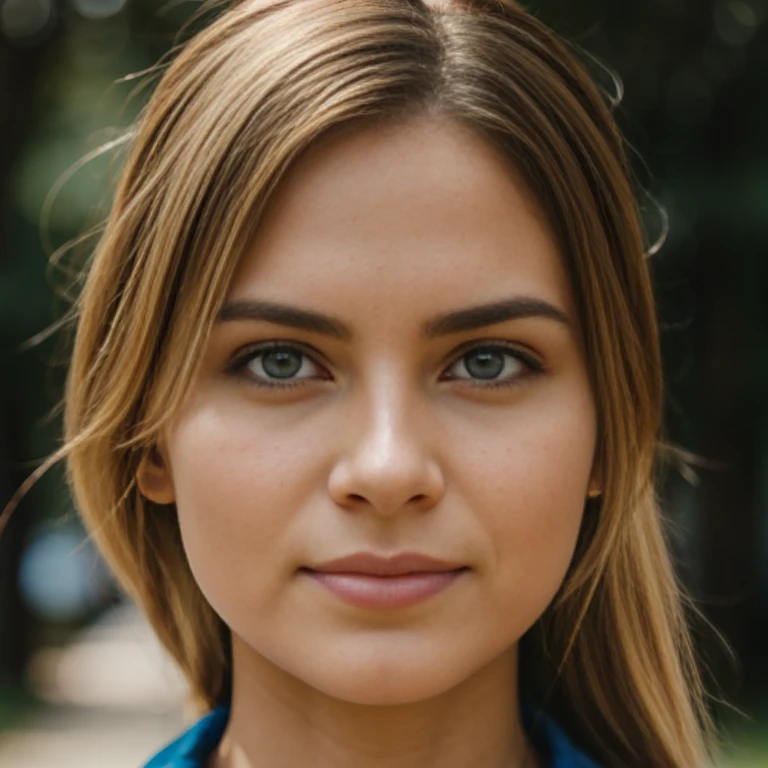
[113, 699]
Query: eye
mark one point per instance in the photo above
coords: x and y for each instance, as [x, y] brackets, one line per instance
[494, 365]
[277, 365]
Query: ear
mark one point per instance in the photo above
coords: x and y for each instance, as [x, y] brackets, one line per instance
[154, 477]
[596, 482]
[594, 490]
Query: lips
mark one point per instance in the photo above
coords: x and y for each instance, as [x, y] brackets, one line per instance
[366, 580]
[381, 565]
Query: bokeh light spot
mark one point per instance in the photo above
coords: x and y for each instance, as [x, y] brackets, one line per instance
[98, 9]
[20, 19]
[735, 21]
[58, 578]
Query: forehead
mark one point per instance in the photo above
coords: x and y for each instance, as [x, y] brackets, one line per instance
[418, 213]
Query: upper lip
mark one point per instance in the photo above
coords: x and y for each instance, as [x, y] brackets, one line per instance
[386, 565]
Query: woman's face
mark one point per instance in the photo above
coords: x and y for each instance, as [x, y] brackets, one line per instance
[397, 368]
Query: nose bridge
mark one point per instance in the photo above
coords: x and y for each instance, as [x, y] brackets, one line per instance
[388, 418]
[391, 441]
[389, 459]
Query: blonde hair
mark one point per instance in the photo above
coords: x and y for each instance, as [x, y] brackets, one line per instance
[611, 658]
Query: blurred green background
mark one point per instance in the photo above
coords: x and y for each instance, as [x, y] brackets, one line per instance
[695, 111]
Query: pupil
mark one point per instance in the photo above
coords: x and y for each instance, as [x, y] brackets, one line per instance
[486, 364]
[281, 363]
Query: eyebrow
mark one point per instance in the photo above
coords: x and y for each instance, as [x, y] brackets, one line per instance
[482, 315]
[467, 319]
[283, 314]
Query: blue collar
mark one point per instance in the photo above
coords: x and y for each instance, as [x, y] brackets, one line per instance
[551, 742]
[192, 748]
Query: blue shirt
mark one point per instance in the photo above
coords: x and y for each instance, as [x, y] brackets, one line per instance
[193, 748]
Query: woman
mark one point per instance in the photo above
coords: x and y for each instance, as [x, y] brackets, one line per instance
[364, 405]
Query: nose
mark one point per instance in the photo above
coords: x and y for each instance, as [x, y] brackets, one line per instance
[388, 464]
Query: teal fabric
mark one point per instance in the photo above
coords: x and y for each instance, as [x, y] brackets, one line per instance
[192, 749]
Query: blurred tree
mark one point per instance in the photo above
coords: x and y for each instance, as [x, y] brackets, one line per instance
[696, 109]
[28, 34]
[59, 62]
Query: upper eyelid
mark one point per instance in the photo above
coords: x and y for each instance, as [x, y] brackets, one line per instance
[249, 351]
[509, 346]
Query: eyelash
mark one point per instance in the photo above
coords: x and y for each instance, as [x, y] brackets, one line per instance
[533, 365]
[245, 356]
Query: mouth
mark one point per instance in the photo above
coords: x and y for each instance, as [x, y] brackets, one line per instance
[367, 590]
[373, 564]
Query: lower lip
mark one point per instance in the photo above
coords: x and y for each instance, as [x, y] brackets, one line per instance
[366, 591]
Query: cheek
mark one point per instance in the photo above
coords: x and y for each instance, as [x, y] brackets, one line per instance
[527, 479]
[238, 488]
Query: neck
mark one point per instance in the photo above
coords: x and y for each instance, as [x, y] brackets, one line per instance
[277, 720]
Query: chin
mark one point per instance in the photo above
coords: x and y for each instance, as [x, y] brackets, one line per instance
[391, 681]
[397, 691]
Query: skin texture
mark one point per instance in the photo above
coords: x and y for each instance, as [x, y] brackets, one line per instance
[385, 441]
